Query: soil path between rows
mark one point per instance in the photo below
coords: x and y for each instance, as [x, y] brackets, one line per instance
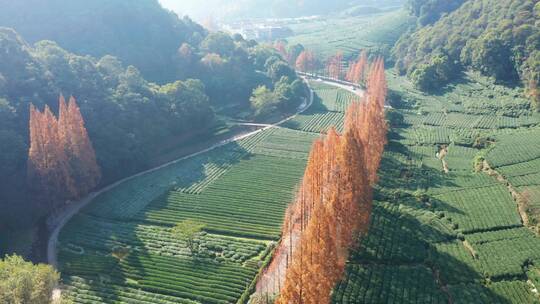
[273, 276]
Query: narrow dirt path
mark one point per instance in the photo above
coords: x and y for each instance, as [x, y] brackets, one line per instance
[443, 286]
[442, 155]
[518, 197]
[521, 204]
[470, 249]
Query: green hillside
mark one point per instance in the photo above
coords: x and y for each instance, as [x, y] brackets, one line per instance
[452, 217]
[349, 34]
[139, 33]
[498, 38]
[457, 237]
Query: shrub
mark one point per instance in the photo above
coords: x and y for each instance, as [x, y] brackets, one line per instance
[24, 282]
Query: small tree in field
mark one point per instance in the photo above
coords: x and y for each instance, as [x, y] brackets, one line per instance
[263, 101]
[187, 231]
[120, 252]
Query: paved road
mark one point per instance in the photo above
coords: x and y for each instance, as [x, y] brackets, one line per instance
[349, 88]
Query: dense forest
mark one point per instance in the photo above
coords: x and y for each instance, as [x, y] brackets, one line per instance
[500, 39]
[171, 81]
[429, 11]
[139, 33]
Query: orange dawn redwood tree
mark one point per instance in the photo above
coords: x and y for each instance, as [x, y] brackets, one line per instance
[84, 168]
[333, 66]
[333, 204]
[281, 48]
[306, 61]
[48, 172]
[358, 69]
[61, 159]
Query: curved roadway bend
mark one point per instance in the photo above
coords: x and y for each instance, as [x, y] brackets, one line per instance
[349, 88]
[59, 221]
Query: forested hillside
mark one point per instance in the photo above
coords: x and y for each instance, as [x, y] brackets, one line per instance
[127, 116]
[429, 11]
[139, 33]
[501, 39]
[161, 46]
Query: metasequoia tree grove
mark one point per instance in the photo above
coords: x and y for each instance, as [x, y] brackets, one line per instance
[333, 66]
[370, 115]
[79, 150]
[48, 166]
[306, 62]
[358, 69]
[281, 48]
[61, 160]
[333, 205]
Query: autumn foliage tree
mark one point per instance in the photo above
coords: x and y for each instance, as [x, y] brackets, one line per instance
[334, 201]
[281, 48]
[358, 69]
[79, 150]
[334, 66]
[370, 115]
[306, 62]
[61, 160]
[48, 166]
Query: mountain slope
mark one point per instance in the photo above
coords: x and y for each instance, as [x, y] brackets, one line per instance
[115, 101]
[429, 11]
[501, 39]
[140, 33]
